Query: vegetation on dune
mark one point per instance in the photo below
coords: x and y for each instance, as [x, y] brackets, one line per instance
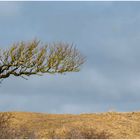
[84, 126]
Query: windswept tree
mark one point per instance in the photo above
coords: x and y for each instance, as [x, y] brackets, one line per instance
[33, 58]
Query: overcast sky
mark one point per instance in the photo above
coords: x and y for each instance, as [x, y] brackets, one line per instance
[107, 33]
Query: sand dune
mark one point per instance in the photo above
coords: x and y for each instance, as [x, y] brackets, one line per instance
[85, 126]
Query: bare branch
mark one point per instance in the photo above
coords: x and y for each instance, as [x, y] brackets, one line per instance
[25, 59]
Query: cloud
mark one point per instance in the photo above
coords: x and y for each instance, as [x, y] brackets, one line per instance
[9, 9]
[88, 91]
[106, 33]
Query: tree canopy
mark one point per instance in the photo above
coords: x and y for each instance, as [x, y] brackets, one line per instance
[34, 58]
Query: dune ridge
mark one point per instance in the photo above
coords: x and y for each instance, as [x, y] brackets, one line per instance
[107, 125]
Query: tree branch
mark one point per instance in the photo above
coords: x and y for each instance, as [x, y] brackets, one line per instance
[25, 59]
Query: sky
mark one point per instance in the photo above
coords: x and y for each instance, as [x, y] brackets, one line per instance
[107, 33]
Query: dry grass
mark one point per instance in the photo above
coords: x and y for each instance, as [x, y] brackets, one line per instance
[66, 126]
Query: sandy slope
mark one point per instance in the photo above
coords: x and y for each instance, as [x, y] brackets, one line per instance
[37, 125]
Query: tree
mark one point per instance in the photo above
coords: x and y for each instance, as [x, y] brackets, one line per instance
[34, 58]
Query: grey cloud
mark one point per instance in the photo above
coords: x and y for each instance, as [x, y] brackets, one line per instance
[107, 36]
[9, 9]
